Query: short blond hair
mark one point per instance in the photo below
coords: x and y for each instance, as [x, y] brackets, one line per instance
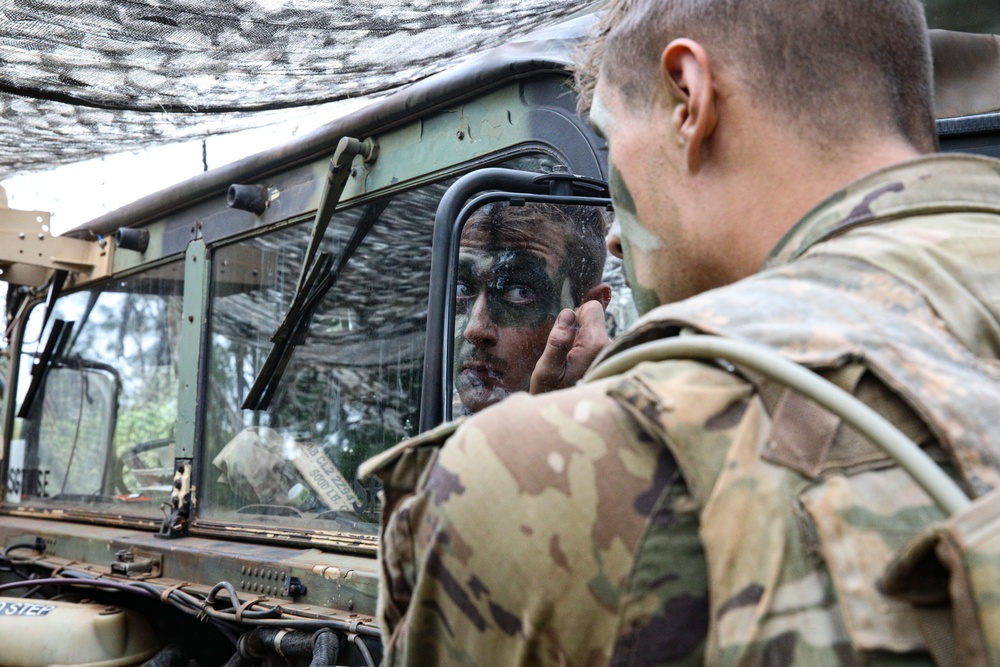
[829, 66]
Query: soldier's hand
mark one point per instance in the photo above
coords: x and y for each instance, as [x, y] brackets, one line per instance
[575, 340]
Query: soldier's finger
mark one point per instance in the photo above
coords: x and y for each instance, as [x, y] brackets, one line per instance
[591, 338]
[550, 369]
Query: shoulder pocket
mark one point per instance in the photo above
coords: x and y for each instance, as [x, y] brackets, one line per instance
[861, 521]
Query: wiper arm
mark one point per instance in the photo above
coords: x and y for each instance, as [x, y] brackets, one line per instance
[315, 265]
[293, 329]
[288, 334]
[55, 343]
[340, 168]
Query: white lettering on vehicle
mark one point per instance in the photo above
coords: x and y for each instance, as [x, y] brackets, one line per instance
[25, 609]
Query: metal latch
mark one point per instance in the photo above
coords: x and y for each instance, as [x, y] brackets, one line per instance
[177, 513]
[136, 564]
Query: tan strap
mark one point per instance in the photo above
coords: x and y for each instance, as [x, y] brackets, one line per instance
[936, 627]
[56, 571]
[165, 593]
[246, 605]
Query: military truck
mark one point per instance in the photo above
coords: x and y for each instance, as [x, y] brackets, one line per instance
[194, 379]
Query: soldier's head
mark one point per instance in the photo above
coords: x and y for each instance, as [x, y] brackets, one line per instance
[518, 267]
[708, 103]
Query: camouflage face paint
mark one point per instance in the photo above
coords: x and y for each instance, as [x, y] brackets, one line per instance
[633, 236]
[626, 215]
[505, 307]
[518, 289]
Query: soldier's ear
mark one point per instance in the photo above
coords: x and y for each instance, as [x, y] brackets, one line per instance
[601, 292]
[687, 73]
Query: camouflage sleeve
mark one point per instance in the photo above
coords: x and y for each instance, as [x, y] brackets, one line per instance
[556, 530]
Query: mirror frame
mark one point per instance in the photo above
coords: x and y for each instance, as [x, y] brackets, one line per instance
[461, 200]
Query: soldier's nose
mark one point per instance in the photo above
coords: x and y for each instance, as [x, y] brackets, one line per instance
[480, 330]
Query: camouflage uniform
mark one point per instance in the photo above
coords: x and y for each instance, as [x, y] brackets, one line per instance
[586, 527]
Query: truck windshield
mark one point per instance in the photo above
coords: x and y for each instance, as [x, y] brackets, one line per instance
[99, 430]
[350, 389]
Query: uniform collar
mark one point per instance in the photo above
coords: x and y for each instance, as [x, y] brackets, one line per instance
[932, 184]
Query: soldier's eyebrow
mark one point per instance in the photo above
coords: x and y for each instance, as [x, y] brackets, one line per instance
[597, 117]
[596, 127]
[597, 131]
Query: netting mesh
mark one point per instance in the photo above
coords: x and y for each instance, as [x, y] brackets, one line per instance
[78, 80]
[83, 79]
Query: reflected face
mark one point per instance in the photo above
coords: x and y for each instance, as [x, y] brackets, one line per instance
[506, 303]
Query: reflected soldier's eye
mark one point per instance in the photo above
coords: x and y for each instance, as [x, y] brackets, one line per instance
[519, 295]
[464, 295]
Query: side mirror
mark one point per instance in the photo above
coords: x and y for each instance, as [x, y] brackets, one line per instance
[511, 249]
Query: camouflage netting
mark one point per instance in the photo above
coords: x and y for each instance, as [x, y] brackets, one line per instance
[80, 80]
[83, 79]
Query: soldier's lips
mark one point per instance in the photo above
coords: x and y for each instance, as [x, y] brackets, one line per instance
[480, 370]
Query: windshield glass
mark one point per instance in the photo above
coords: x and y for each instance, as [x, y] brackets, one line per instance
[98, 427]
[351, 387]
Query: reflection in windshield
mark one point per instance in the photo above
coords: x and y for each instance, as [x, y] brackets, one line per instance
[351, 387]
[100, 429]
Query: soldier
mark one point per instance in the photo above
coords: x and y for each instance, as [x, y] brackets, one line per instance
[771, 170]
[529, 282]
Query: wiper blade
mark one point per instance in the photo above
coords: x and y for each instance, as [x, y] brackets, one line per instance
[288, 334]
[315, 265]
[293, 329]
[54, 346]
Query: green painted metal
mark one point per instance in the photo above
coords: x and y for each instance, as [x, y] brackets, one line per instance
[197, 273]
[420, 151]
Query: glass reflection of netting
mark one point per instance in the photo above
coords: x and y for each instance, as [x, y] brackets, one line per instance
[351, 387]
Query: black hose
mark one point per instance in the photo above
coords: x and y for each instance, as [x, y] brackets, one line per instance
[326, 646]
[263, 642]
[260, 643]
[170, 655]
[239, 661]
[38, 545]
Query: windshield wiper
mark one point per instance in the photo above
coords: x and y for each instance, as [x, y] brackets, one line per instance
[54, 347]
[316, 277]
